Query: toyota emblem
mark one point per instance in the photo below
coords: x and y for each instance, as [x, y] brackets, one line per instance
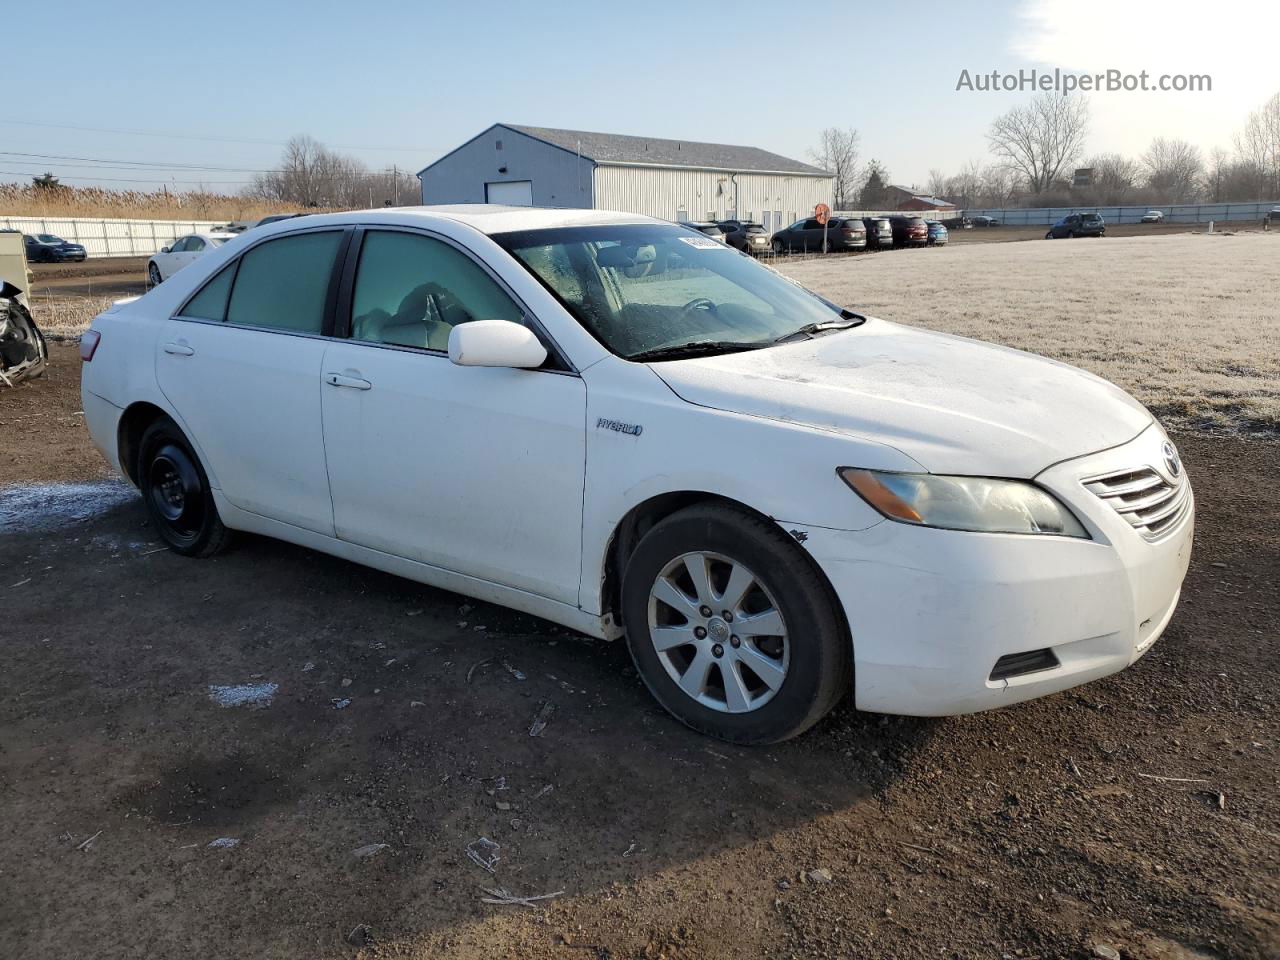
[1171, 459]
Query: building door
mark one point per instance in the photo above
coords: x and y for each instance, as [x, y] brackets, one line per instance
[514, 193]
[765, 221]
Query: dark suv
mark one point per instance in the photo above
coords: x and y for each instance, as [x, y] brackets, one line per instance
[846, 233]
[909, 231]
[805, 235]
[746, 235]
[879, 233]
[1078, 225]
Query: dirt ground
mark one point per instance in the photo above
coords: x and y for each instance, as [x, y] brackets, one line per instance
[1140, 812]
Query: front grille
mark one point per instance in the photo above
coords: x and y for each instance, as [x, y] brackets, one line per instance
[1151, 503]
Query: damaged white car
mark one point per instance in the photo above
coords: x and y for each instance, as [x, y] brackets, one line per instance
[628, 428]
[23, 351]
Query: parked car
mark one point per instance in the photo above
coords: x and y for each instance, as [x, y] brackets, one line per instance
[597, 419]
[274, 218]
[50, 248]
[879, 232]
[958, 223]
[803, 235]
[745, 235]
[712, 230]
[938, 234]
[1153, 216]
[1078, 225]
[981, 221]
[181, 253]
[846, 233]
[909, 231]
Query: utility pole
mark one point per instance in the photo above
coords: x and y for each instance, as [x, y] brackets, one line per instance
[395, 178]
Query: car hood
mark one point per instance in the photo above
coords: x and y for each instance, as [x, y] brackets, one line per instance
[952, 404]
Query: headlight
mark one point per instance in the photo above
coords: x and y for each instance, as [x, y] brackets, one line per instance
[963, 503]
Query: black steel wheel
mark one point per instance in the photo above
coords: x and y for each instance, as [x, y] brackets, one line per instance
[176, 492]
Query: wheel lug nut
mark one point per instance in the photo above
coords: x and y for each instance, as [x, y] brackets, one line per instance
[699, 632]
[705, 611]
[717, 651]
[735, 642]
[727, 616]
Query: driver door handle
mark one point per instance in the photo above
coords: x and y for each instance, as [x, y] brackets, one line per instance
[341, 380]
[179, 349]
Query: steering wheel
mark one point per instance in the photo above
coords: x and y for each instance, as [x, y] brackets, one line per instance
[698, 303]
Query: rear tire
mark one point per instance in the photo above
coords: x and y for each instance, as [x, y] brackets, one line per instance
[176, 492]
[767, 672]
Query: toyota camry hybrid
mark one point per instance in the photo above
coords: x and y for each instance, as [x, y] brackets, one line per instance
[628, 428]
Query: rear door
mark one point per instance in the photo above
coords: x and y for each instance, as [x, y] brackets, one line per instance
[478, 470]
[241, 364]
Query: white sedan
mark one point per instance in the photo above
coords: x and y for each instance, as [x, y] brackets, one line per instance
[628, 428]
[181, 253]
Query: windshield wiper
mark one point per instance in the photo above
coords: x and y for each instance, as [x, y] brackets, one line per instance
[811, 330]
[697, 348]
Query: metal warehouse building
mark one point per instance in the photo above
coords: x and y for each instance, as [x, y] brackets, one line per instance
[671, 179]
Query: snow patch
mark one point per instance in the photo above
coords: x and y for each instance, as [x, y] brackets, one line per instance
[42, 507]
[243, 694]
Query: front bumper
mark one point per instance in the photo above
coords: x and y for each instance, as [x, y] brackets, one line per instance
[932, 611]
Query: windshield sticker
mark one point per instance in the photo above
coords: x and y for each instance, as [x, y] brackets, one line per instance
[705, 243]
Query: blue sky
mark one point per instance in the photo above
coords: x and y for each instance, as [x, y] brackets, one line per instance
[402, 82]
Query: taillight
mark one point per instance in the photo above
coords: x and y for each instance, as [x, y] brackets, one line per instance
[89, 344]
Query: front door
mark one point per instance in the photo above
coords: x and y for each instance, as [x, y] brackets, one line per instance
[477, 470]
[241, 365]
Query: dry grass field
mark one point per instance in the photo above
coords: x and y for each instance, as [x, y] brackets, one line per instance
[1189, 324]
[24, 200]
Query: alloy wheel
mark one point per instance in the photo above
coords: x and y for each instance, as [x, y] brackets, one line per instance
[718, 632]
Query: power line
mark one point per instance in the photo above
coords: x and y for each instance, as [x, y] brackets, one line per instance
[192, 136]
[28, 173]
[131, 164]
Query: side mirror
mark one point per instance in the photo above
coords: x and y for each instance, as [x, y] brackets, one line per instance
[164, 249]
[495, 343]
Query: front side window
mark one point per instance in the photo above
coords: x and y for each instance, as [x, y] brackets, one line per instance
[194, 245]
[283, 283]
[640, 288]
[179, 245]
[411, 291]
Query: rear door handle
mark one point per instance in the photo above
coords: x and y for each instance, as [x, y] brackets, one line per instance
[340, 380]
[178, 349]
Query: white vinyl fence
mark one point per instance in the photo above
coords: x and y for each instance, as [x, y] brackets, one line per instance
[1175, 213]
[112, 238]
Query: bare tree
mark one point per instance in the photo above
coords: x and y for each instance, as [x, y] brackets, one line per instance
[939, 183]
[311, 175]
[999, 185]
[1041, 139]
[1174, 170]
[1115, 177]
[837, 153]
[1258, 146]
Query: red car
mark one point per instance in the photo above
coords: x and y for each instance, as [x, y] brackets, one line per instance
[909, 231]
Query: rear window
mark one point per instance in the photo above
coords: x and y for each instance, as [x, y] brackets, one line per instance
[283, 283]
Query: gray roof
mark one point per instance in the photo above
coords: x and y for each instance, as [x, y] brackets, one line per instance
[619, 148]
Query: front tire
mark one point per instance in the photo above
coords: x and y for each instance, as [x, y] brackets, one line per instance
[1049, 235]
[778, 248]
[732, 627]
[176, 492]
[153, 275]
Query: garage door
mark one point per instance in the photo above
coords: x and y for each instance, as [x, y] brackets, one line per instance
[516, 193]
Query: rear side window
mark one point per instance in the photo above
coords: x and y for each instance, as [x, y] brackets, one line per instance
[283, 283]
[211, 302]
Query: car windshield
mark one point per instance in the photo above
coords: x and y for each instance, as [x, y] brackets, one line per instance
[48, 238]
[219, 241]
[640, 288]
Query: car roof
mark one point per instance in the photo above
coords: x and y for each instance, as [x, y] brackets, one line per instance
[489, 218]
